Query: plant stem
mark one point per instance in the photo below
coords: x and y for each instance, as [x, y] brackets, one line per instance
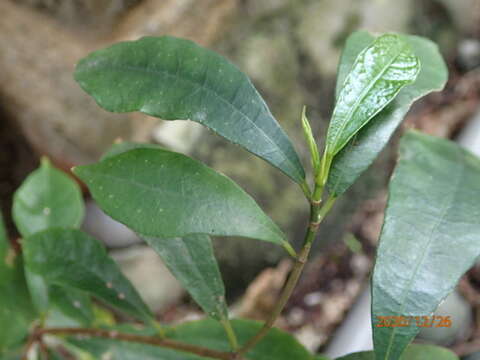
[232, 338]
[150, 340]
[317, 214]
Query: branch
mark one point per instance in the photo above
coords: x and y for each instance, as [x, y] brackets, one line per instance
[317, 214]
[150, 340]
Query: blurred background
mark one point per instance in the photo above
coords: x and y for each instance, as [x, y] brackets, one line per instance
[290, 49]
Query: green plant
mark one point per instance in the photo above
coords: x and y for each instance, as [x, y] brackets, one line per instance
[429, 237]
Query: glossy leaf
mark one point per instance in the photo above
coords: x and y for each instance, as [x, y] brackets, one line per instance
[174, 79]
[69, 257]
[430, 235]
[413, 352]
[380, 71]
[276, 345]
[47, 198]
[364, 147]
[192, 261]
[16, 309]
[159, 193]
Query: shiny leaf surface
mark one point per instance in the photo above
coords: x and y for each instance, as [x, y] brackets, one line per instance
[159, 193]
[192, 261]
[276, 345]
[413, 352]
[365, 146]
[69, 257]
[175, 79]
[380, 71]
[430, 235]
[47, 198]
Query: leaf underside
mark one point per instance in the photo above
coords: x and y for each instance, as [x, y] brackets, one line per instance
[173, 78]
[430, 235]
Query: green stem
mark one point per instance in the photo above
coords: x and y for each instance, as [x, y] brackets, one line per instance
[317, 214]
[232, 338]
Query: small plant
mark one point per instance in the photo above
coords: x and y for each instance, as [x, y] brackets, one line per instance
[430, 235]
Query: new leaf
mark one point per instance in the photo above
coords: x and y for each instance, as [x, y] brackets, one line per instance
[380, 71]
[364, 147]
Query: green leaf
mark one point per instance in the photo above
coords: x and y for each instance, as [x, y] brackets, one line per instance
[71, 307]
[380, 71]
[14, 354]
[192, 261]
[69, 257]
[362, 149]
[16, 309]
[47, 198]
[124, 146]
[413, 352]
[430, 235]
[174, 79]
[159, 193]
[276, 345]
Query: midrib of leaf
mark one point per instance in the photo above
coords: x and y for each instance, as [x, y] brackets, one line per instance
[362, 97]
[435, 226]
[155, 189]
[219, 96]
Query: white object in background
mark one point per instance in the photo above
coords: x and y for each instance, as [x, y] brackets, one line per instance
[469, 138]
[104, 228]
[355, 333]
[179, 135]
[154, 282]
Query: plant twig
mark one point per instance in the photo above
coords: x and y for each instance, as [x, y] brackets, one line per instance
[150, 340]
[317, 214]
[232, 338]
